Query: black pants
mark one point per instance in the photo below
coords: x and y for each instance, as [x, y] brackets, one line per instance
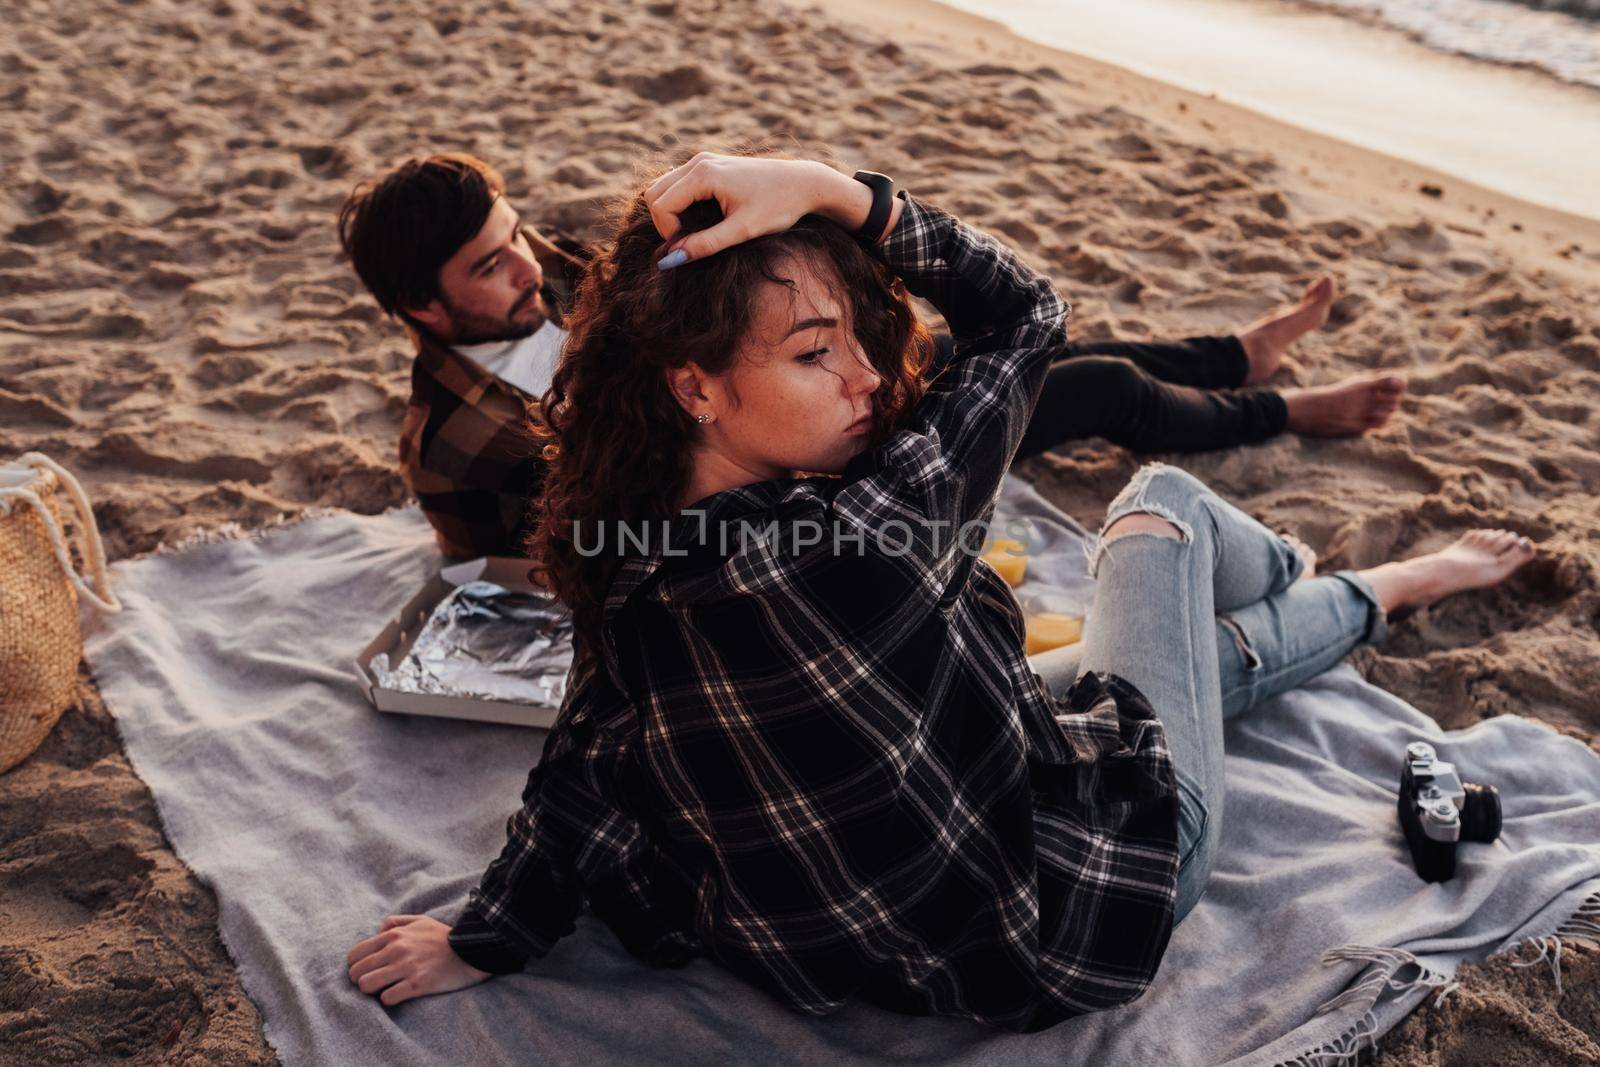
[1182, 396]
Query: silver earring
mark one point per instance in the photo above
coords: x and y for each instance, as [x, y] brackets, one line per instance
[702, 418]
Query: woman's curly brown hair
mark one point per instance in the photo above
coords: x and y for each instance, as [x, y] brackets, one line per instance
[618, 442]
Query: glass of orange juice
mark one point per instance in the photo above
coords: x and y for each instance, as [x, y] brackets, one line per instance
[1009, 558]
[1050, 620]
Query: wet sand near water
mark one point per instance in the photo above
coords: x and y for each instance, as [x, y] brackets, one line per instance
[1520, 131]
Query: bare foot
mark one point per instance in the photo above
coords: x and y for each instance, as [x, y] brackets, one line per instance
[1345, 408]
[1305, 552]
[1480, 558]
[1269, 337]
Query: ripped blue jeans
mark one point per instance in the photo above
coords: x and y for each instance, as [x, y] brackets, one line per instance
[1206, 625]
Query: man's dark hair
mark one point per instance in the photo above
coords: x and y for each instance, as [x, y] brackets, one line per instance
[399, 230]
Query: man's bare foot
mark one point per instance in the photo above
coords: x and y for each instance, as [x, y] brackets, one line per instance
[1345, 408]
[1305, 552]
[1269, 337]
[1480, 558]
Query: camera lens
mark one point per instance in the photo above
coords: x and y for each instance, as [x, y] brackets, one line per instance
[1480, 813]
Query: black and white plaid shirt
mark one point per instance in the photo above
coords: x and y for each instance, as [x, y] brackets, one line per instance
[828, 765]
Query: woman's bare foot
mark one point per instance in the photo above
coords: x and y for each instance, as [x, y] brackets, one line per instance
[1480, 558]
[1305, 552]
[1345, 408]
[1269, 337]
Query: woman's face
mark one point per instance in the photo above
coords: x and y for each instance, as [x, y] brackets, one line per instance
[798, 396]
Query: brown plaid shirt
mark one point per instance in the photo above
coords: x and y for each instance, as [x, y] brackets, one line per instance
[466, 450]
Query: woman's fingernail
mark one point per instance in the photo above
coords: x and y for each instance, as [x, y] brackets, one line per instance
[676, 258]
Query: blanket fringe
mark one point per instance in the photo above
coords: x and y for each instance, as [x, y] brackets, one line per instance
[1583, 925]
[1345, 1050]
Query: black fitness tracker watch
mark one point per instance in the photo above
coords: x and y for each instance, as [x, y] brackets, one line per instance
[882, 187]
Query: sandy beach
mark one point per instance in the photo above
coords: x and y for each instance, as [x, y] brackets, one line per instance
[177, 327]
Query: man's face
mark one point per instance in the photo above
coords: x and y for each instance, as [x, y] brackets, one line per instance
[489, 290]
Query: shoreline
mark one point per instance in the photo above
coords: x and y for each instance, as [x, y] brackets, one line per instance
[1374, 19]
[1325, 161]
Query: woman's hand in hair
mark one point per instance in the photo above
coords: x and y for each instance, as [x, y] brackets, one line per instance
[410, 956]
[758, 196]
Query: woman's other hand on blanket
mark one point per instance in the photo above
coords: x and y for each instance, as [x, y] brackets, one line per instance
[757, 197]
[410, 956]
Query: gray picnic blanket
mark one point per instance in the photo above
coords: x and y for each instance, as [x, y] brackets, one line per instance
[313, 816]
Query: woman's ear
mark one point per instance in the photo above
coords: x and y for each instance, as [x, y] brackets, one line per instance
[688, 388]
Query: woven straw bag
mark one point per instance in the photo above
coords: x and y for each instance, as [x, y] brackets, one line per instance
[40, 643]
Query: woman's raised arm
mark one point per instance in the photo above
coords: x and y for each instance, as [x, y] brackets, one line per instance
[757, 197]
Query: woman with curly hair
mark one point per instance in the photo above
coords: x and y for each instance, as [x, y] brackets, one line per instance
[800, 735]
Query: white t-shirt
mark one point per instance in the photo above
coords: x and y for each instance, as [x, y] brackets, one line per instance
[528, 363]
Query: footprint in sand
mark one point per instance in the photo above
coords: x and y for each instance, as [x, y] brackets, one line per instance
[44, 231]
[670, 86]
[1132, 148]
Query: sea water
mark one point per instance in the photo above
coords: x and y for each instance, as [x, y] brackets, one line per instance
[1559, 37]
[1373, 73]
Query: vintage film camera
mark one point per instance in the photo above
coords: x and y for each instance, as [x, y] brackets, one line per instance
[1438, 810]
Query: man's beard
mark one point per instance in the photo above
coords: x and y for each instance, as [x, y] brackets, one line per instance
[472, 328]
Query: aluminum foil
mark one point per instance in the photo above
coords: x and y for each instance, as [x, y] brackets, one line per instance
[486, 642]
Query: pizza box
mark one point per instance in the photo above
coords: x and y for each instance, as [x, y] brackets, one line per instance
[397, 637]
